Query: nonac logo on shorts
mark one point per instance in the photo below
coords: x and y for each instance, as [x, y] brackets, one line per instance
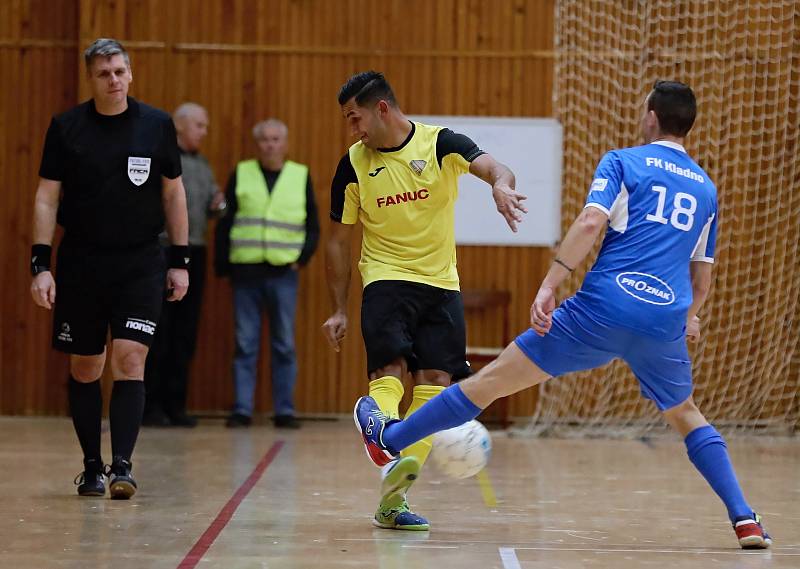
[145, 326]
[646, 288]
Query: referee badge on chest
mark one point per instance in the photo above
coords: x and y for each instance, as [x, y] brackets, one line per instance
[138, 169]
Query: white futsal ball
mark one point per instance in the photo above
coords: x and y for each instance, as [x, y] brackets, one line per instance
[463, 451]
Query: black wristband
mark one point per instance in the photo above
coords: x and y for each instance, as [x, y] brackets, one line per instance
[179, 257]
[563, 264]
[40, 258]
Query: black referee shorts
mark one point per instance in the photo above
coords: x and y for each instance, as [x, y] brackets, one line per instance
[419, 322]
[97, 288]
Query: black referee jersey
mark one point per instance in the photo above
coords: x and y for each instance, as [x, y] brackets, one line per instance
[110, 168]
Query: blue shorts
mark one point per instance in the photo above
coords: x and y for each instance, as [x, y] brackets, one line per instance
[577, 342]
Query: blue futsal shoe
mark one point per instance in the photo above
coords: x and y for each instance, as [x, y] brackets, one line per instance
[370, 422]
[395, 514]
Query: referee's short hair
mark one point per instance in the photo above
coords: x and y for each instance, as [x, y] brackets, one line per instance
[104, 47]
[675, 106]
[367, 87]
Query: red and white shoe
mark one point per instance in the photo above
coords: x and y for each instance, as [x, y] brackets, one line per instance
[751, 533]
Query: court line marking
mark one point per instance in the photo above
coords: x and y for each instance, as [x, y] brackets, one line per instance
[696, 550]
[487, 491]
[767, 552]
[226, 513]
[509, 558]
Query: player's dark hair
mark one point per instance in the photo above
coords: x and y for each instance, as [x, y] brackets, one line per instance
[675, 107]
[367, 87]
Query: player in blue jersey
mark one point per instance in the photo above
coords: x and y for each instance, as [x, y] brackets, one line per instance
[639, 302]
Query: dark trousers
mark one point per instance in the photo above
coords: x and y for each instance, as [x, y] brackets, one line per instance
[166, 374]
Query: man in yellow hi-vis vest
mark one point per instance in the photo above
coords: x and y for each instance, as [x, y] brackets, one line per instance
[269, 231]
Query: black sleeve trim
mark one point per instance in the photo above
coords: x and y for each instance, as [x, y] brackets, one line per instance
[345, 174]
[449, 142]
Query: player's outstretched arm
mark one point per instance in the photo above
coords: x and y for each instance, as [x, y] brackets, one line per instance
[43, 286]
[573, 250]
[501, 178]
[337, 270]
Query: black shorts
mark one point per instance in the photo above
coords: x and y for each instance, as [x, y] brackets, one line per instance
[419, 322]
[97, 289]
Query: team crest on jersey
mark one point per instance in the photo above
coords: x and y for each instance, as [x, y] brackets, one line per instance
[138, 169]
[418, 166]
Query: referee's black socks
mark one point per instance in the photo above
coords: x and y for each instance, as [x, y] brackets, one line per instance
[127, 408]
[86, 408]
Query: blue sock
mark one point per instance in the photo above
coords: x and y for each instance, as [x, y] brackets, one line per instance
[709, 453]
[449, 409]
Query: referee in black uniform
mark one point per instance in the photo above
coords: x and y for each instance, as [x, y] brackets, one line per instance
[111, 176]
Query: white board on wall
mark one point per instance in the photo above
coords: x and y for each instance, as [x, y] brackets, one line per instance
[532, 148]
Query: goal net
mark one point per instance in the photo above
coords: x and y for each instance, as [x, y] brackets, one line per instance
[743, 61]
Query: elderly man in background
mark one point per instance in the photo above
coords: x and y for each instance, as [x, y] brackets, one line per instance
[270, 229]
[167, 369]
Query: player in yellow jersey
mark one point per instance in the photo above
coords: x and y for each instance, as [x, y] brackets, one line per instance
[400, 180]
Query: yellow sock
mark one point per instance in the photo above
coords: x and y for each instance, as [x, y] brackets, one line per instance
[387, 392]
[422, 393]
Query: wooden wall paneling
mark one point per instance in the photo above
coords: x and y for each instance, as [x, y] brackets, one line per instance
[247, 60]
[37, 72]
[8, 66]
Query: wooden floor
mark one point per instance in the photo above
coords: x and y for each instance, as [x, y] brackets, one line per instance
[261, 498]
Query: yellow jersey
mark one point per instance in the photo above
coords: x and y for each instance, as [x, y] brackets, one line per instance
[405, 199]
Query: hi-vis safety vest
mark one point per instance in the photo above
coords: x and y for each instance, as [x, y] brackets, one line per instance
[269, 226]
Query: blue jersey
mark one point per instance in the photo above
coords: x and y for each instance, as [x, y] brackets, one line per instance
[662, 210]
